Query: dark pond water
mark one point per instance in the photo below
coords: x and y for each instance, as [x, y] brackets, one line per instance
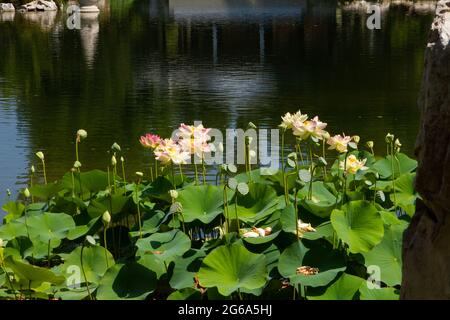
[148, 65]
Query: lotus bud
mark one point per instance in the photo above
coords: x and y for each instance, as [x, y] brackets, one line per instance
[369, 144]
[176, 207]
[389, 138]
[90, 240]
[82, 134]
[252, 154]
[106, 218]
[251, 125]
[77, 164]
[32, 169]
[173, 194]
[326, 135]
[122, 159]
[356, 139]
[26, 193]
[40, 155]
[139, 174]
[116, 147]
[397, 145]
[113, 161]
[221, 147]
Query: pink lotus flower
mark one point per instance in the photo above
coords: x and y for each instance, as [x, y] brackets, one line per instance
[150, 140]
[310, 128]
[339, 143]
[169, 151]
[194, 139]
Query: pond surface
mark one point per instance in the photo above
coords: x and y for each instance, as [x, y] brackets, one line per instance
[145, 66]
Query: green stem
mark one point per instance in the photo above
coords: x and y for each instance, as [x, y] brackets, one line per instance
[173, 175]
[196, 172]
[203, 171]
[286, 199]
[324, 157]
[106, 246]
[236, 213]
[45, 174]
[393, 175]
[123, 174]
[181, 173]
[225, 207]
[48, 253]
[84, 274]
[296, 212]
[139, 212]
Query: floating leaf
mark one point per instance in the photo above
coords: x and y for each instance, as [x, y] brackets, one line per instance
[261, 201]
[186, 267]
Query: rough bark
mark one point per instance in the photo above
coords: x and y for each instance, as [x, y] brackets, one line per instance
[426, 242]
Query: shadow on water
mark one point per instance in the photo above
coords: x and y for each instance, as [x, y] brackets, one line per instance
[149, 65]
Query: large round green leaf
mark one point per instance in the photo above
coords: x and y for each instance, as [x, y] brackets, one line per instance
[164, 246]
[233, 267]
[329, 262]
[378, 294]
[185, 294]
[359, 225]
[387, 255]
[202, 203]
[31, 275]
[185, 269]
[94, 263]
[402, 164]
[343, 288]
[126, 281]
[261, 201]
[322, 201]
[49, 227]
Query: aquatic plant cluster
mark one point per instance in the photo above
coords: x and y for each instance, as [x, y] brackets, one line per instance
[328, 225]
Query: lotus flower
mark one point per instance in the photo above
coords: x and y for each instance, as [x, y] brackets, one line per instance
[304, 227]
[307, 270]
[339, 143]
[289, 119]
[353, 165]
[257, 232]
[169, 151]
[150, 140]
[194, 139]
[309, 128]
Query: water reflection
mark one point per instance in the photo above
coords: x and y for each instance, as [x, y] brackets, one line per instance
[89, 35]
[149, 65]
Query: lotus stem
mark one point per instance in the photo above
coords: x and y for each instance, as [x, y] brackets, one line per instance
[196, 173]
[181, 173]
[138, 210]
[123, 173]
[225, 207]
[393, 174]
[236, 213]
[45, 173]
[296, 212]
[324, 157]
[203, 170]
[76, 151]
[84, 273]
[48, 253]
[106, 246]
[286, 200]
[156, 169]
[151, 173]
[173, 175]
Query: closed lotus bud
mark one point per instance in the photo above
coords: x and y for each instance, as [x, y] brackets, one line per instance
[221, 147]
[115, 147]
[40, 155]
[77, 164]
[113, 160]
[369, 144]
[326, 135]
[32, 169]
[82, 134]
[122, 159]
[106, 217]
[356, 139]
[139, 174]
[173, 194]
[397, 143]
[26, 193]
[389, 138]
[252, 154]
[251, 125]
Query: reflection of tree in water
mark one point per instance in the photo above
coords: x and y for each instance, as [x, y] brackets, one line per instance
[89, 35]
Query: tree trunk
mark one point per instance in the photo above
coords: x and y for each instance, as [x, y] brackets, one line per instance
[426, 242]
